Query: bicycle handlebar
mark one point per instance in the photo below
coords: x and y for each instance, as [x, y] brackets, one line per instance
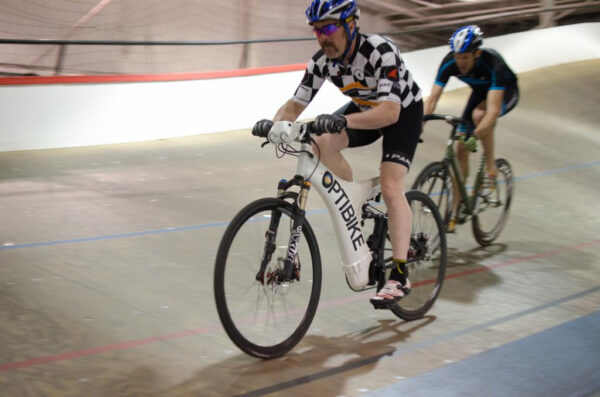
[452, 120]
[288, 132]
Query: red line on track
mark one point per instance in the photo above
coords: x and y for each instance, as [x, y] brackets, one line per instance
[104, 349]
[149, 78]
[335, 302]
[522, 259]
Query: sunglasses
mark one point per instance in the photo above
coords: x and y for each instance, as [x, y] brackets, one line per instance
[327, 30]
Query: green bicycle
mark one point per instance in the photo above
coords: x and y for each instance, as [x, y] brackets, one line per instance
[487, 211]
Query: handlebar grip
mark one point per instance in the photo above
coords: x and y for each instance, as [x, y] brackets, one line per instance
[310, 127]
[261, 128]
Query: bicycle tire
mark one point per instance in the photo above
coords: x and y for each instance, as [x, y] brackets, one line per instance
[487, 226]
[427, 269]
[435, 181]
[272, 333]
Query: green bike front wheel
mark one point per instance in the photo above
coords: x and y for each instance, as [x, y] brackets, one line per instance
[435, 181]
[491, 212]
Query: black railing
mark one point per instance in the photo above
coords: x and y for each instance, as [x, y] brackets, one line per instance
[591, 6]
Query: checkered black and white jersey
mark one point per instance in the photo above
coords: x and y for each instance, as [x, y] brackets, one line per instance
[375, 73]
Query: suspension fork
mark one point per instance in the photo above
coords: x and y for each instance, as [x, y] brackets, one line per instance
[271, 233]
[270, 246]
[296, 233]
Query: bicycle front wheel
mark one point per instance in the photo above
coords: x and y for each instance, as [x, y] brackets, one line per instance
[491, 211]
[436, 182]
[264, 313]
[427, 257]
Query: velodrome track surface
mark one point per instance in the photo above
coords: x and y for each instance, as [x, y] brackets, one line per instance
[106, 260]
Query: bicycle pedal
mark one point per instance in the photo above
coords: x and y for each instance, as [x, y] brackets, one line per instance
[387, 305]
[381, 305]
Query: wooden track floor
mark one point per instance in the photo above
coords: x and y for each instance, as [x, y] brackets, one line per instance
[107, 255]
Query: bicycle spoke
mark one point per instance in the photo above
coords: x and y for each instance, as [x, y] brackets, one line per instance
[435, 181]
[265, 317]
[492, 211]
[426, 257]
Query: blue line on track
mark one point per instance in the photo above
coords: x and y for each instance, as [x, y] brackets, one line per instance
[115, 236]
[558, 170]
[224, 224]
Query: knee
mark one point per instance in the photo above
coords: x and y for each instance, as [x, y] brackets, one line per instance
[478, 116]
[326, 143]
[392, 190]
[320, 142]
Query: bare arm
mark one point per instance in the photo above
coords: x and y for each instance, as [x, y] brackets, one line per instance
[289, 111]
[385, 114]
[432, 99]
[492, 112]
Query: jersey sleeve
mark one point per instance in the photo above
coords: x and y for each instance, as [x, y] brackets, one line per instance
[394, 81]
[311, 82]
[446, 70]
[389, 71]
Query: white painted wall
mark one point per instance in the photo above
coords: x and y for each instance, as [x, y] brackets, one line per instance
[51, 116]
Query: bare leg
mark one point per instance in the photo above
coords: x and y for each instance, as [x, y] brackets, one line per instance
[487, 141]
[462, 155]
[393, 177]
[330, 147]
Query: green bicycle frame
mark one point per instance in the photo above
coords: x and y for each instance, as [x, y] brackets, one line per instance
[451, 163]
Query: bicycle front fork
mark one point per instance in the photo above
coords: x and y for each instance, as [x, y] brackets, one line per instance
[291, 267]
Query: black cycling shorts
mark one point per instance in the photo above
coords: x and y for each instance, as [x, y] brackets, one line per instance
[509, 101]
[399, 139]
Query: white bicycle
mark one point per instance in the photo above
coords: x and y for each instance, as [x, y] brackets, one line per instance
[267, 279]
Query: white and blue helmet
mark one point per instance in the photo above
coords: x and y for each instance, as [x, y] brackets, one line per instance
[320, 10]
[466, 39]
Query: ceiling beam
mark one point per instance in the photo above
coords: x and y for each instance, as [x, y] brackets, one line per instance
[503, 15]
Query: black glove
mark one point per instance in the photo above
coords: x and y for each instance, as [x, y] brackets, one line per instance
[262, 128]
[331, 123]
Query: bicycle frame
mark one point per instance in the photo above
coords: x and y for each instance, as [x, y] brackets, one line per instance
[343, 200]
[451, 163]
[267, 313]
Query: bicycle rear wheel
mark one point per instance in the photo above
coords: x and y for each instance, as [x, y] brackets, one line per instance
[492, 210]
[426, 259]
[435, 181]
[264, 314]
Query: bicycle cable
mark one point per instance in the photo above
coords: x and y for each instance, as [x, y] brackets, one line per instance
[282, 149]
[318, 157]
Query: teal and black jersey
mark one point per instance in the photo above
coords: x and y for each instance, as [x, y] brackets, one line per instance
[490, 72]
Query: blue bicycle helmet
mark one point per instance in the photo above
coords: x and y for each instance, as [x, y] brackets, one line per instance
[320, 10]
[466, 39]
[342, 10]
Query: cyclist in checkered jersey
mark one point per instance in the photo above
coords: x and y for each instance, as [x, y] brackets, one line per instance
[385, 102]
